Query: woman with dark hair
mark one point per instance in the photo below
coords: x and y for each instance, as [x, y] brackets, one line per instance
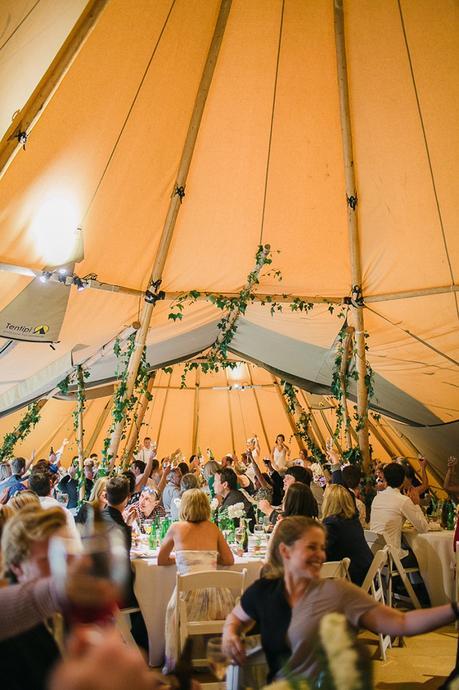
[299, 501]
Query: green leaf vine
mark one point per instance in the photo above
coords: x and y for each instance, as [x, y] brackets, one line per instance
[123, 406]
[302, 420]
[25, 426]
[80, 395]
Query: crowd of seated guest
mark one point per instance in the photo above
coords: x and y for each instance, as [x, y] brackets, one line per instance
[273, 486]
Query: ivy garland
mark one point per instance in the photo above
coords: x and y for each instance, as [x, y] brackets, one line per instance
[122, 405]
[82, 374]
[341, 393]
[303, 421]
[25, 426]
[233, 307]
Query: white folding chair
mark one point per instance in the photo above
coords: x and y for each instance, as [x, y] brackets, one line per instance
[230, 579]
[123, 623]
[374, 585]
[394, 567]
[375, 541]
[336, 570]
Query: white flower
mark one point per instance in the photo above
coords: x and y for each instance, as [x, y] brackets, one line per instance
[339, 648]
[236, 511]
[214, 504]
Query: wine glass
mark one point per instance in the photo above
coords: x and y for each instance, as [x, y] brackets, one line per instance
[266, 524]
[218, 660]
[98, 555]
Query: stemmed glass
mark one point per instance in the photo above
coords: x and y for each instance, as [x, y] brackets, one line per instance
[218, 660]
[99, 555]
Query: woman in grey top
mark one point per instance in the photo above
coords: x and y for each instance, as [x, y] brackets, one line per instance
[290, 600]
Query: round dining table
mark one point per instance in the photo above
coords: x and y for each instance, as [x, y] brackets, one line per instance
[436, 558]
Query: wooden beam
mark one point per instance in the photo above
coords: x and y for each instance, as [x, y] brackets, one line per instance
[290, 417]
[347, 349]
[262, 421]
[194, 443]
[28, 116]
[353, 228]
[98, 428]
[137, 420]
[336, 443]
[320, 441]
[230, 413]
[80, 432]
[160, 427]
[173, 210]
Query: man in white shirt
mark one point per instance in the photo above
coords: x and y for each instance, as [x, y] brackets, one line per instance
[390, 509]
[145, 451]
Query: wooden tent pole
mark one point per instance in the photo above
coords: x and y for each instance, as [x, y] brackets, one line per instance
[99, 424]
[194, 443]
[27, 117]
[347, 345]
[80, 431]
[162, 412]
[290, 417]
[320, 441]
[353, 228]
[137, 420]
[257, 403]
[230, 412]
[173, 210]
[379, 437]
[330, 431]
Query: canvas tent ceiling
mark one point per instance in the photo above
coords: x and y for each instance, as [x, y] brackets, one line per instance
[267, 167]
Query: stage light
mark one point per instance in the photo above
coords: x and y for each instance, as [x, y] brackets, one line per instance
[45, 276]
[62, 271]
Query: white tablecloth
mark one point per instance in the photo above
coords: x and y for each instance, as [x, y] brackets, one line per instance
[435, 555]
[154, 585]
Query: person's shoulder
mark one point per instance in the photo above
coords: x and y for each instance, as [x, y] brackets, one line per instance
[266, 585]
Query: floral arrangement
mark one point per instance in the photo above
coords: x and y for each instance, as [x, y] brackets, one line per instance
[236, 511]
[341, 663]
[318, 474]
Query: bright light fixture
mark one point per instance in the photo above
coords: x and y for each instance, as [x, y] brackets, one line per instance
[239, 373]
[54, 229]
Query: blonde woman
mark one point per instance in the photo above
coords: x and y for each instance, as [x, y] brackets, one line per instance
[23, 499]
[97, 499]
[345, 536]
[199, 545]
[30, 655]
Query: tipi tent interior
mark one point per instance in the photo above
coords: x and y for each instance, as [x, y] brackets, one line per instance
[169, 141]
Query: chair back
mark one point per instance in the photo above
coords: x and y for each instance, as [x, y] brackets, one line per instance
[335, 570]
[205, 579]
[375, 541]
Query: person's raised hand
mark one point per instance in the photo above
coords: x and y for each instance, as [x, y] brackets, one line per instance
[265, 506]
[422, 462]
[413, 494]
[129, 514]
[452, 462]
[99, 662]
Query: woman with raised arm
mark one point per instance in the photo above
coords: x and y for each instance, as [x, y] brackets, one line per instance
[289, 602]
[280, 454]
